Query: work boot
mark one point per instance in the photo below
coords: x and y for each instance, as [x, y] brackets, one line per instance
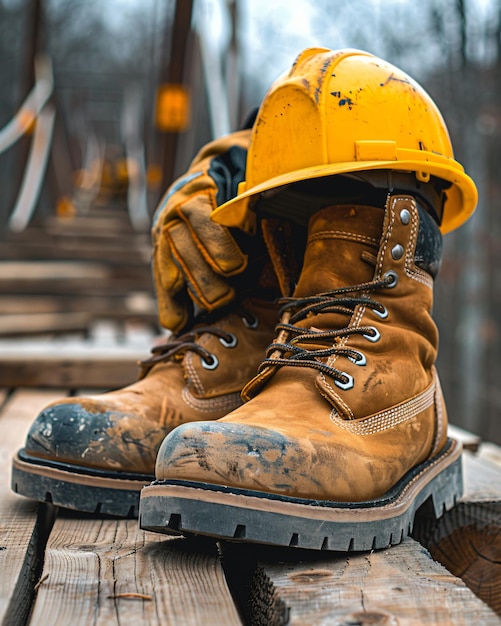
[95, 453]
[344, 434]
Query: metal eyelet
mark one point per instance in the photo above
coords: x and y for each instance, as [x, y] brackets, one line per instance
[231, 343]
[361, 361]
[251, 323]
[382, 314]
[212, 364]
[390, 274]
[347, 385]
[374, 337]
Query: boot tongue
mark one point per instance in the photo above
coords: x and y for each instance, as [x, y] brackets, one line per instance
[343, 242]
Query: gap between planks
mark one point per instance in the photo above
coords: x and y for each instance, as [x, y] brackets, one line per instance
[22, 522]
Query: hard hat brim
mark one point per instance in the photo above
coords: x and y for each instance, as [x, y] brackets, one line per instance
[237, 213]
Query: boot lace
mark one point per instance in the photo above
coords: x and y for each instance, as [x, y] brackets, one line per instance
[179, 345]
[343, 301]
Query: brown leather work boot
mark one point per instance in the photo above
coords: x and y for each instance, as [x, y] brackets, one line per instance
[344, 435]
[95, 453]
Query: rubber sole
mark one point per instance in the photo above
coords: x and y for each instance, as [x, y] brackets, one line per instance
[179, 507]
[72, 487]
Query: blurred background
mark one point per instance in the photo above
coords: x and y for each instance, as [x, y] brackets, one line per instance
[104, 102]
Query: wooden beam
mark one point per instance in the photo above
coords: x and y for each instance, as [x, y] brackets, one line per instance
[467, 539]
[177, 45]
[399, 585]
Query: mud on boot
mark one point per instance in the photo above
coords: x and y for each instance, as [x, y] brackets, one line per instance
[95, 453]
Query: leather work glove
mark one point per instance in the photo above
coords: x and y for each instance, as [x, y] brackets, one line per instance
[192, 256]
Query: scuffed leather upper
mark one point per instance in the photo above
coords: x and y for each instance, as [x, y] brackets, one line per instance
[301, 434]
[122, 430]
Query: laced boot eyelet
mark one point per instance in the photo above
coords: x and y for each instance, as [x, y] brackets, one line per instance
[391, 279]
[231, 342]
[347, 385]
[361, 360]
[374, 336]
[210, 362]
[250, 321]
[381, 314]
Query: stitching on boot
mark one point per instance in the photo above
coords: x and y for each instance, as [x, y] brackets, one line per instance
[390, 418]
[223, 403]
[387, 235]
[337, 397]
[341, 234]
[413, 272]
[192, 373]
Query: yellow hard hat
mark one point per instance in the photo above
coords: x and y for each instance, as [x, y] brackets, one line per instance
[346, 111]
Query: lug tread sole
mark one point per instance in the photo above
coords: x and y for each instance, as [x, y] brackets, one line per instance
[235, 515]
[105, 495]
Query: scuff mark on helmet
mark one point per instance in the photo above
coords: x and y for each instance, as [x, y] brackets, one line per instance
[321, 74]
[398, 80]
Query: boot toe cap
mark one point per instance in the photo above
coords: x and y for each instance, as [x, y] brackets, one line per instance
[91, 434]
[240, 456]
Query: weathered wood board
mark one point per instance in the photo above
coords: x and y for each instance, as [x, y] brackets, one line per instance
[22, 522]
[107, 571]
[400, 586]
[110, 572]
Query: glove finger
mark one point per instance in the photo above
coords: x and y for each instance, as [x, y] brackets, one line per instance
[173, 305]
[207, 288]
[166, 272]
[174, 312]
[215, 242]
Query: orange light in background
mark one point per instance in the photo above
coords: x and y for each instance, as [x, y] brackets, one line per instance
[154, 176]
[26, 121]
[172, 108]
[65, 208]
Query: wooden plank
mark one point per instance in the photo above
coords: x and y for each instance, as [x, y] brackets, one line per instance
[467, 539]
[110, 572]
[400, 585]
[99, 221]
[69, 366]
[22, 525]
[490, 452]
[110, 286]
[56, 277]
[52, 270]
[139, 304]
[65, 248]
[42, 323]
[470, 441]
